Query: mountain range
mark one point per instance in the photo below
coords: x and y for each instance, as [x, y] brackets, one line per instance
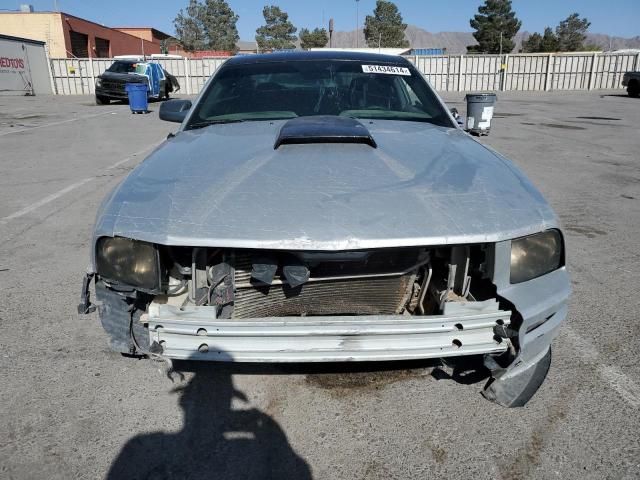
[456, 42]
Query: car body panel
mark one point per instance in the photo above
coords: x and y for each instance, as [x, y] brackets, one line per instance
[211, 187]
[628, 76]
[415, 185]
[112, 85]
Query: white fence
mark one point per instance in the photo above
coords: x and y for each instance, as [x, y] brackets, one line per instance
[541, 72]
[76, 76]
[537, 72]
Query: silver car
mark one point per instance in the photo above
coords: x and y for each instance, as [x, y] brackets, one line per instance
[326, 207]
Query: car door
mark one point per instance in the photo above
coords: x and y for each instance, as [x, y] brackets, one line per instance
[163, 80]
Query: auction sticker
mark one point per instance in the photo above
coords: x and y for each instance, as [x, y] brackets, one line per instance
[386, 69]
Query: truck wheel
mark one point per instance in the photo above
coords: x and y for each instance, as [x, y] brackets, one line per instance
[100, 100]
[634, 89]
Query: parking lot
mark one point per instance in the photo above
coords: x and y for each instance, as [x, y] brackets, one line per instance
[69, 408]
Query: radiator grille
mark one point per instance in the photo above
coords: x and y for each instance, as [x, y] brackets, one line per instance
[113, 85]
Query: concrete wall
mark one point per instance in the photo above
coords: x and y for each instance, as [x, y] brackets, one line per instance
[54, 27]
[44, 27]
[23, 68]
[145, 33]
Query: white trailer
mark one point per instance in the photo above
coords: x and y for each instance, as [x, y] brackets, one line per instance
[24, 68]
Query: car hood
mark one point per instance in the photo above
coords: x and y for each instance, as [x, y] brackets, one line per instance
[226, 186]
[123, 77]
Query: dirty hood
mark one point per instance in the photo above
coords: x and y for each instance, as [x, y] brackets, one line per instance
[226, 186]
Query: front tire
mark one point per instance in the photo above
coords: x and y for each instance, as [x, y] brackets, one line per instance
[100, 100]
[634, 89]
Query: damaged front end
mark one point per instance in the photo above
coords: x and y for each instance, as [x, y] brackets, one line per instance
[311, 306]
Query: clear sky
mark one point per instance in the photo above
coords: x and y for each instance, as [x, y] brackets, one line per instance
[612, 17]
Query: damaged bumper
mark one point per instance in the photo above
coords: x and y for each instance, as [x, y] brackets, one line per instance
[194, 333]
[542, 303]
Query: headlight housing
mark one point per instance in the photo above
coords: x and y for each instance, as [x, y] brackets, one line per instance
[536, 255]
[98, 82]
[128, 262]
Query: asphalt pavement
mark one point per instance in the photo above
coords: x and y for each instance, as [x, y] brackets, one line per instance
[70, 408]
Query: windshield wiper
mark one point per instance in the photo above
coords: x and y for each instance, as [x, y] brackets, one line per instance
[207, 123]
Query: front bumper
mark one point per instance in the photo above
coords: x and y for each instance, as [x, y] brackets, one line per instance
[115, 92]
[194, 333]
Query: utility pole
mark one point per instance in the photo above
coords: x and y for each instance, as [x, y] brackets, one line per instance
[357, 23]
[330, 32]
[502, 66]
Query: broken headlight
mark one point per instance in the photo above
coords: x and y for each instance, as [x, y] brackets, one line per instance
[535, 255]
[128, 262]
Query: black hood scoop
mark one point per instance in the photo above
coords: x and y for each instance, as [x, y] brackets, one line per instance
[324, 129]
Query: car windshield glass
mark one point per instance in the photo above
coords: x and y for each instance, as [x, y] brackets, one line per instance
[127, 67]
[287, 89]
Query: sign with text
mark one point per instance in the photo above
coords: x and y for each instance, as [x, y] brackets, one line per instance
[386, 69]
[14, 68]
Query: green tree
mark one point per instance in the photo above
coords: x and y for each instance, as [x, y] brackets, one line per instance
[385, 27]
[277, 32]
[190, 27]
[313, 39]
[549, 41]
[591, 47]
[571, 33]
[495, 17]
[537, 43]
[207, 26]
[533, 43]
[220, 25]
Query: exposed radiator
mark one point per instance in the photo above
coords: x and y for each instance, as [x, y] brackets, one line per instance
[355, 296]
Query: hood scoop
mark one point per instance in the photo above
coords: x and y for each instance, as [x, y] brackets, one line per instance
[323, 129]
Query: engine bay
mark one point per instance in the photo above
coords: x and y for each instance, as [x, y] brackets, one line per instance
[243, 284]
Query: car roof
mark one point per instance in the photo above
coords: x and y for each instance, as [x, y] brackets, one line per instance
[317, 55]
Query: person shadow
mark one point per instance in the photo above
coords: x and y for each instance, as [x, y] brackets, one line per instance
[216, 441]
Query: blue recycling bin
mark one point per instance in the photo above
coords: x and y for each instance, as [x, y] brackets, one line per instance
[137, 93]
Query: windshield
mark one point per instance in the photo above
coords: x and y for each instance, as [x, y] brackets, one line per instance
[127, 67]
[280, 90]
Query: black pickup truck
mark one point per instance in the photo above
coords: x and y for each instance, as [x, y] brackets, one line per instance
[631, 80]
[110, 85]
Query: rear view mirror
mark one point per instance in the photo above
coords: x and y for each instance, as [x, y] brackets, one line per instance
[174, 110]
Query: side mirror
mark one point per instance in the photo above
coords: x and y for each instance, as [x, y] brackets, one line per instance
[174, 110]
[456, 115]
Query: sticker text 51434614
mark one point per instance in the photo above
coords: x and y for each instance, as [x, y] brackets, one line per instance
[386, 69]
